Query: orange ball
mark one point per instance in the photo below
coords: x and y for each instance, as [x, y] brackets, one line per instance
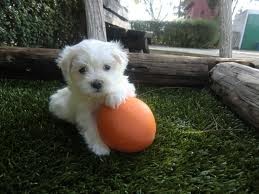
[129, 128]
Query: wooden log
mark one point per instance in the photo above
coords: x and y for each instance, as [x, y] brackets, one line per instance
[238, 86]
[29, 63]
[34, 63]
[167, 70]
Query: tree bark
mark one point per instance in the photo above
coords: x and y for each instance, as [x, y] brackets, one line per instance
[238, 86]
[95, 20]
[225, 28]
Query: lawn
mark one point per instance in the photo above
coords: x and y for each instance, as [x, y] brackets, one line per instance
[201, 147]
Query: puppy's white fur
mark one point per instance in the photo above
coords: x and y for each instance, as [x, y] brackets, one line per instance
[81, 65]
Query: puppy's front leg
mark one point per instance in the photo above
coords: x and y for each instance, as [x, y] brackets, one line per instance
[117, 97]
[88, 129]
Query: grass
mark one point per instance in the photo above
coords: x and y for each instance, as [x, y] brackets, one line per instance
[201, 147]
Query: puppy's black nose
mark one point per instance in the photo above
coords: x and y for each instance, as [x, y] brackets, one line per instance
[97, 84]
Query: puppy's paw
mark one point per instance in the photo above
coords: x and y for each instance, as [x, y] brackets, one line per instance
[100, 149]
[114, 100]
[131, 91]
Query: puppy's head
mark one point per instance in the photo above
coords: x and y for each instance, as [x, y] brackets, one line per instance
[93, 67]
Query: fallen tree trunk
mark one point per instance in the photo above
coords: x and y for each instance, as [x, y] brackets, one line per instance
[29, 63]
[39, 63]
[238, 86]
[167, 70]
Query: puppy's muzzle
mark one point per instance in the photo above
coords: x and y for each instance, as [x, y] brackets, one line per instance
[97, 84]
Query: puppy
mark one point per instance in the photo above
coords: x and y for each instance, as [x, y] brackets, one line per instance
[94, 72]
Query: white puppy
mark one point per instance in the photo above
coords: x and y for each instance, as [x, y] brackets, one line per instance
[94, 72]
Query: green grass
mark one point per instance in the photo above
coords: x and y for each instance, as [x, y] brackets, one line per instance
[201, 147]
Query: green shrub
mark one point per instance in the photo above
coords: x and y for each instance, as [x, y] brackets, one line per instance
[41, 23]
[191, 33]
[55, 23]
[182, 33]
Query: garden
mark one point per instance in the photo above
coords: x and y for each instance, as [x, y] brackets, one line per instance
[206, 112]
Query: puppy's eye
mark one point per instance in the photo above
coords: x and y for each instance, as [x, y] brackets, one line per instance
[106, 67]
[83, 70]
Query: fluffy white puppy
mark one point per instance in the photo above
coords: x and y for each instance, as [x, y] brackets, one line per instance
[94, 72]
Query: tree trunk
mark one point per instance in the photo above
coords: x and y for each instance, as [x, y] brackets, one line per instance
[225, 28]
[95, 20]
[238, 86]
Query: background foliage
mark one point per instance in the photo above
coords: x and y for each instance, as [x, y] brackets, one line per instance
[55, 23]
[182, 33]
[41, 23]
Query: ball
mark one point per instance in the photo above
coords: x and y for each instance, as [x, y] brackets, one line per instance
[131, 127]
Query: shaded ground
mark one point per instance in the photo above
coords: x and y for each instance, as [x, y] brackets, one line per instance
[201, 146]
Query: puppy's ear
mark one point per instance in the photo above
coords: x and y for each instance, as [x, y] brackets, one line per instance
[119, 54]
[64, 61]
